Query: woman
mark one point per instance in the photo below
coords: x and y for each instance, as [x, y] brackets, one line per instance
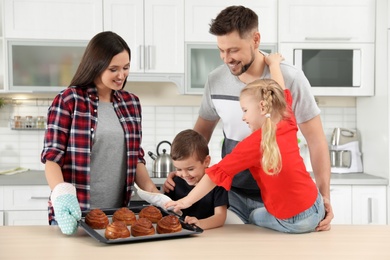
[92, 143]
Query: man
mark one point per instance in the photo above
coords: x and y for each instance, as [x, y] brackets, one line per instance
[238, 39]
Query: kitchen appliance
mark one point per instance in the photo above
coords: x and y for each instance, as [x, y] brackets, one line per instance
[345, 155]
[201, 59]
[334, 68]
[163, 163]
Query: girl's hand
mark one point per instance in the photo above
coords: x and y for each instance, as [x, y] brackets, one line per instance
[273, 59]
[177, 205]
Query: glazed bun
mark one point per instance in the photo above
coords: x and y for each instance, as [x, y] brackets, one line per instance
[124, 214]
[96, 219]
[117, 229]
[152, 213]
[168, 224]
[142, 227]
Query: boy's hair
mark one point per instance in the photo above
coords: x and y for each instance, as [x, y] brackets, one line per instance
[189, 143]
[234, 18]
[272, 95]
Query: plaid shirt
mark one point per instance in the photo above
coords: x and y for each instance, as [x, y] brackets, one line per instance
[71, 122]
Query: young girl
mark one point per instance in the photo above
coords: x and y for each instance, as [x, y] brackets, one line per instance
[292, 201]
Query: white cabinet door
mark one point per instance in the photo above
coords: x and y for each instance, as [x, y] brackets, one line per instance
[1, 198]
[26, 205]
[1, 218]
[53, 19]
[199, 13]
[369, 205]
[126, 18]
[341, 200]
[332, 20]
[164, 36]
[26, 218]
[26, 197]
[154, 31]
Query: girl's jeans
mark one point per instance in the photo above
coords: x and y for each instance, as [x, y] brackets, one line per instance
[303, 222]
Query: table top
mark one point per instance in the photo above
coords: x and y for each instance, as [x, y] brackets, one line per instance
[228, 242]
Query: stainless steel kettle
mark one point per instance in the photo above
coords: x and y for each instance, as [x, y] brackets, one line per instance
[163, 163]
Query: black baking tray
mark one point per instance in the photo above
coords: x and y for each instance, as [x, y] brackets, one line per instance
[98, 234]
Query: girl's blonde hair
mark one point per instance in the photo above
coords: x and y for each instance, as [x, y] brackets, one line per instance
[273, 100]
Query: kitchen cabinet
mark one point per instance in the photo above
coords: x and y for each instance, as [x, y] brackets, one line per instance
[25, 205]
[341, 201]
[1, 207]
[198, 15]
[53, 19]
[154, 31]
[327, 21]
[359, 204]
[45, 65]
[1, 48]
[369, 205]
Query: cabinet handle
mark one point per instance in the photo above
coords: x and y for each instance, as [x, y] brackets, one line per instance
[369, 210]
[149, 57]
[328, 38]
[141, 57]
[39, 198]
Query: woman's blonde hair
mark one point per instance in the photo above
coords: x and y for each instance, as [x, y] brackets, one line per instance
[271, 95]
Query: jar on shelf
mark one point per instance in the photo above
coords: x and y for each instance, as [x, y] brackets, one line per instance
[29, 122]
[41, 122]
[17, 122]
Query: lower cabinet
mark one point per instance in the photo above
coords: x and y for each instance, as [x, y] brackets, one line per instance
[25, 205]
[341, 200]
[359, 204]
[369, 205]
[26, 218]
[1, 218]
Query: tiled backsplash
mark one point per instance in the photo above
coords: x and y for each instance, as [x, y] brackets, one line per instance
[23, 147]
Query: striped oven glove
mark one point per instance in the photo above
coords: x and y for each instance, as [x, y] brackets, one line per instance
[66, 207]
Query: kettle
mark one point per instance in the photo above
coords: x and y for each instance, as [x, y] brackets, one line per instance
[163, 163]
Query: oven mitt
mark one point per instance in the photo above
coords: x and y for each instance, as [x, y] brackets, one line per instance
[157, 199]
[66, 207]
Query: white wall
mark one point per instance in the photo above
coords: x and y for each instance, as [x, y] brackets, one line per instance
[165, 113]
[373, 112]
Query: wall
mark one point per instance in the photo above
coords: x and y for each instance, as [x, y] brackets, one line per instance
[165, 113]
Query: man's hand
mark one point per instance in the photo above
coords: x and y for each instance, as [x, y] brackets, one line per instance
[324, 225]
[169, 184]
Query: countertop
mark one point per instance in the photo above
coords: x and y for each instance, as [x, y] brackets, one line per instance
[228, 242]
[35, 177]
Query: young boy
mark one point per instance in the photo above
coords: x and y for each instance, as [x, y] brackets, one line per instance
[190, 155]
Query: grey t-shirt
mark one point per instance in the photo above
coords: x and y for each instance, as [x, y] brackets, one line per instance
[108, 160]
[221, 101]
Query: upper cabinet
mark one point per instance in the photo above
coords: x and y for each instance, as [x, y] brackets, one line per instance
[324, 21]
[199, 13]
[154, 31]
[53, 19]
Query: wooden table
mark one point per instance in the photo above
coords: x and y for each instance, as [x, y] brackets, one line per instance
[228, 242]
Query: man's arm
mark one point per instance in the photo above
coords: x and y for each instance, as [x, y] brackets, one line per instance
[205, 127]
[319, 156]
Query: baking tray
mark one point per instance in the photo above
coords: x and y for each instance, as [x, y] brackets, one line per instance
[98, 234]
